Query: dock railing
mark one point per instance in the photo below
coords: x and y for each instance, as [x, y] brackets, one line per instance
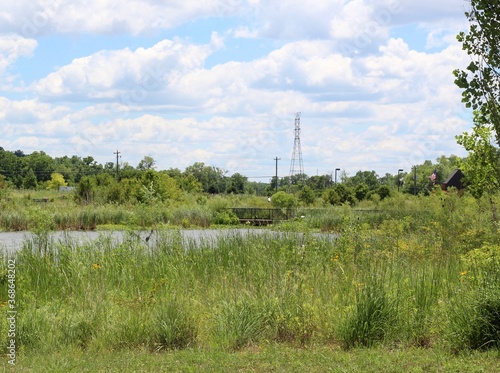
[262, 215]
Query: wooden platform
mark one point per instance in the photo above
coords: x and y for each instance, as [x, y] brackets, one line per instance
[261, 216]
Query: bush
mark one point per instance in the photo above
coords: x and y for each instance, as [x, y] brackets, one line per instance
[226, 218]
[283, 200]
[339, 195]
[85, 190]
[307, 195]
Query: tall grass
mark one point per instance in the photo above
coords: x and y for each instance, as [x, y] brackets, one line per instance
[48, 216]
[240, 290]
[414, 280]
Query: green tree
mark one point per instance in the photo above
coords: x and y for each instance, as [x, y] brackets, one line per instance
[482, 166]
[448, 164]
[41, 164]
[338, 195]
[318, 183]
[29, 180]
[480, 81]
[389, 179]
[423, 182]
[11, 167]
[369, 178]
[85, 190]
[56, 180]
[124, 190]
[272, 187]
[360, 191]
[237, 183]
[383, 191]
[307, 195]
[156, 186]
[283, 200]
[3, 187]
[212, 179]
[147, 163]
[298, 179]
[115, 193]
[190, 184]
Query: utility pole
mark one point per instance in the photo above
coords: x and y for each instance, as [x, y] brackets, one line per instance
[117, 154]
[277, 159]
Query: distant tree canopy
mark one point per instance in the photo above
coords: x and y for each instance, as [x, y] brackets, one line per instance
[145, 184]
[211, 178]
[147, 163]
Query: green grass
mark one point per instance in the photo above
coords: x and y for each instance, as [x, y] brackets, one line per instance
[419, 284]
[265, 358]
[241, 290]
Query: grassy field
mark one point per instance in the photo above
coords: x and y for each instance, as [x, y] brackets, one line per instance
[266, 358]
[410, 285]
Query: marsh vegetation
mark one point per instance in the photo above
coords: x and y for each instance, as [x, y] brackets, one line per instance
[413, 273]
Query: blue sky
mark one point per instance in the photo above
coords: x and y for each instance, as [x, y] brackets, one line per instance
[220, 83]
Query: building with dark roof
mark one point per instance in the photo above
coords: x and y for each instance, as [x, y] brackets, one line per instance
[454, 180]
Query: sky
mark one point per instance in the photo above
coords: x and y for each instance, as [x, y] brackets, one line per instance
[222, 81]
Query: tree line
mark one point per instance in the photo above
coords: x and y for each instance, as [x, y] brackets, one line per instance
[144, 184]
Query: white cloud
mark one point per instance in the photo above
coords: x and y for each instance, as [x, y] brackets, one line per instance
[37, 17]
[428, 11]
[411, 98]
[296, 19]
[13, 47]
[130, 75]
[357, 17]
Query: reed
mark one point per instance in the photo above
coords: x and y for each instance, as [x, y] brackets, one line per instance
[393, 282]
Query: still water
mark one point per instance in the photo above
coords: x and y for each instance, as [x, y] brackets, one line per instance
[13, 241]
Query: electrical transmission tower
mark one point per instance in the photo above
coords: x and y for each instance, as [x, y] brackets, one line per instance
[296, 165]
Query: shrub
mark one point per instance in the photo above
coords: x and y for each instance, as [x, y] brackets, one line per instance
[226, 218]
[339, 195]
[307, 195]
[85, 190]
[283, 200]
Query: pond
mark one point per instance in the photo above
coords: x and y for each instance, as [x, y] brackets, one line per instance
[13, 241]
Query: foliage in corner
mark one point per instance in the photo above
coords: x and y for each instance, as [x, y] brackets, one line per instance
[480, 81]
